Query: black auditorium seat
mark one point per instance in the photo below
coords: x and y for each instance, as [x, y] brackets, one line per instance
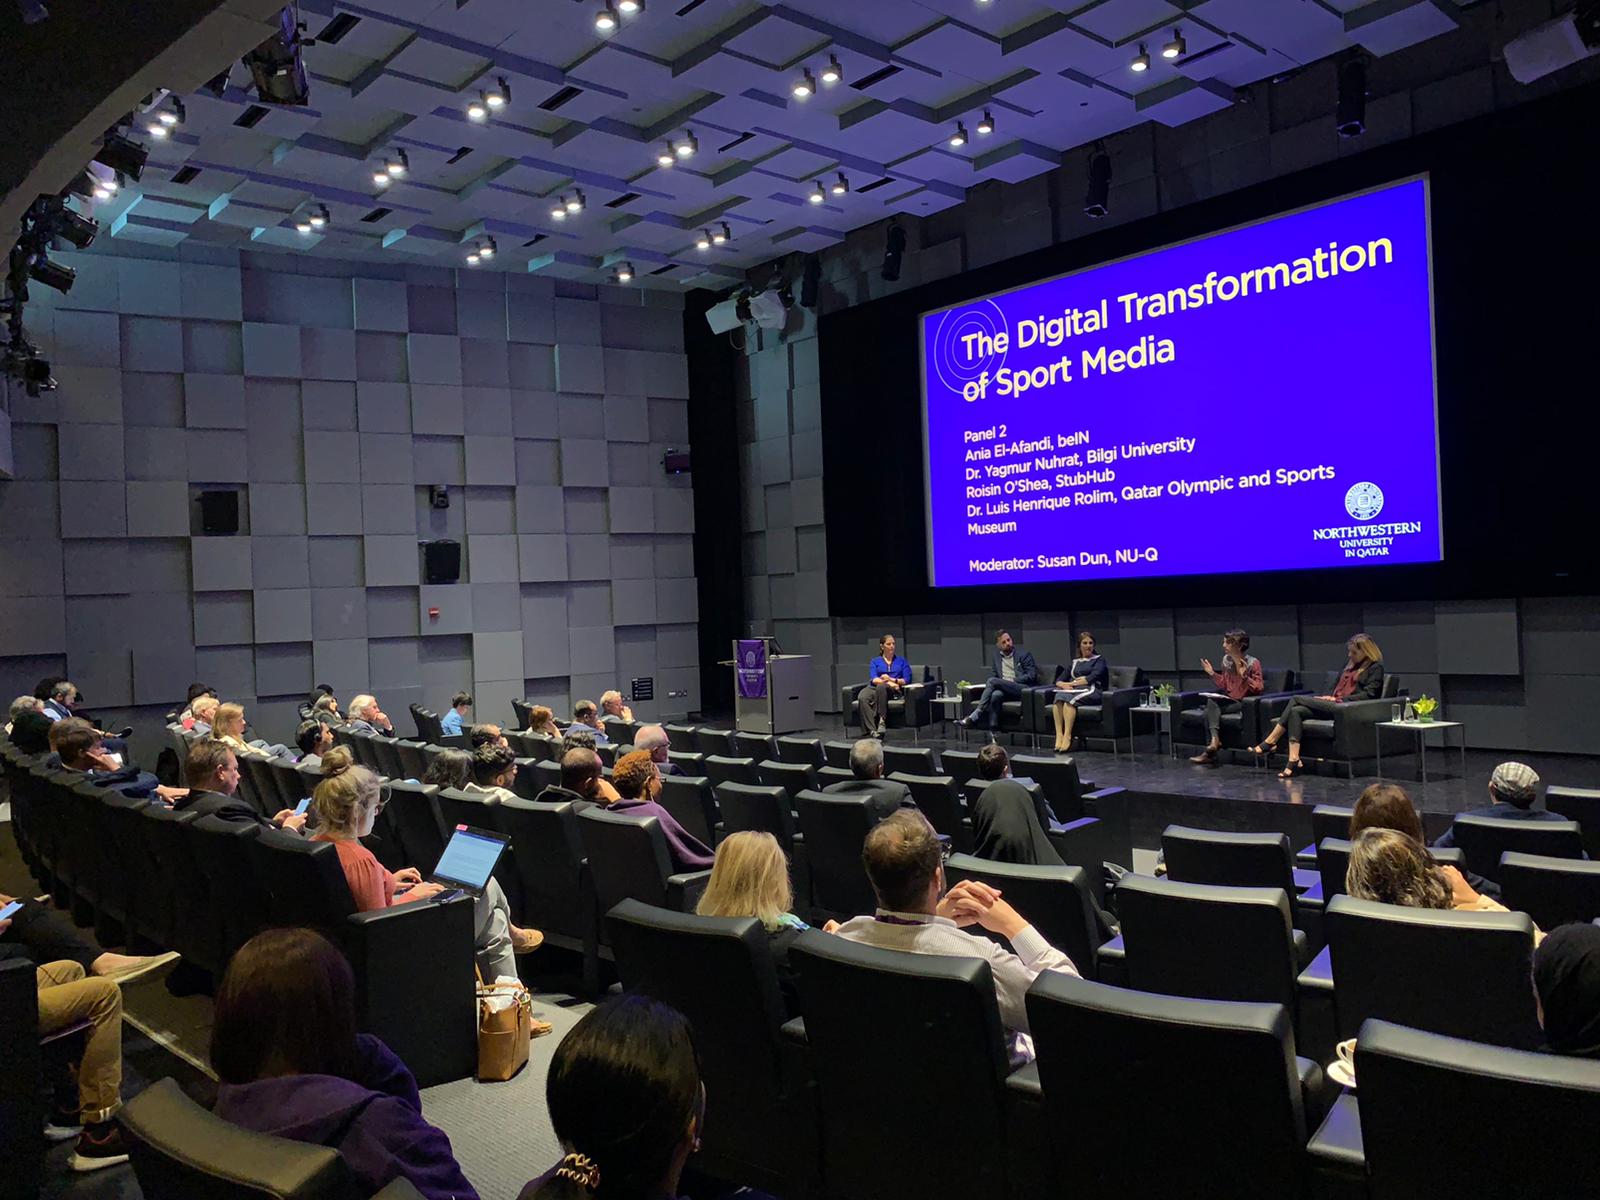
[680, 737]
[720, 768]
[415, 815]
[751, 806]
[960, 765]
[629, 860]
[1581, 805]
[709, 741]
[241, 903]
[1553, 891]
[755, 745]
[834, 828]
[940, 801]
[910, 760]
[793, 778]
[1233, 859]
[557, 892]
[1057, 901]
[1327, 821]
[1064, 790]
[22, 1105]
[801, 750]
[690, 801]
[838, 753]
[1483, 840]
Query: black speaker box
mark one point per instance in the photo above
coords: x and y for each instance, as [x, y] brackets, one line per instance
[441, 561]
[219, 512]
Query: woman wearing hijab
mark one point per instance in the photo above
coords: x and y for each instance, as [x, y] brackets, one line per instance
[1006, 828]
[1566, 977]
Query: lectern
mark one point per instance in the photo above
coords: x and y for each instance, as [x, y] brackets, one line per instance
[771, 691]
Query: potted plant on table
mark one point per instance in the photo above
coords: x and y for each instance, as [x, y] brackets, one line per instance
[1425, 707]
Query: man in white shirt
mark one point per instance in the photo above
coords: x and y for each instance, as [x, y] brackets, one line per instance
[494, 770]
[905, 863]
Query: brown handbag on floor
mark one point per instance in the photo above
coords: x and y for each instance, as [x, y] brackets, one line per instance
[503, 1031]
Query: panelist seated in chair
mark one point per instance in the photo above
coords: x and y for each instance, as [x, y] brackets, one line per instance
[1361, 679]
[290, 1063]
[905, 865]
[637, 785]
[1011, 669]
[80, 747]
[654, 740]
[347, 803]
[1239, 677]
[460, 705]
[212, 773]
[866, 764]
[887, 676]
[1513, 791]
[750, 878]
[1083, 682]
[1566, 978]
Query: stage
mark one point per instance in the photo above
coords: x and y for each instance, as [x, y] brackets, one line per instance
[1158, 790]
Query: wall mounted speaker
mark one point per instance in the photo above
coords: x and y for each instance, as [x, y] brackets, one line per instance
[439, 496]
[219, 513]
[441, 561]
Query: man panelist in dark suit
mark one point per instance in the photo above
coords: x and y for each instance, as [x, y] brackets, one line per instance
[1011, 669]
[212, 773]
[866, 764]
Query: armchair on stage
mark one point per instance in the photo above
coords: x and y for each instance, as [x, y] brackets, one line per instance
[1109, 720]
[1347, 737]
[1242, 728]
[911, 708]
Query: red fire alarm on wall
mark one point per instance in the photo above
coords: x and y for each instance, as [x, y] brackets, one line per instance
[433, 614]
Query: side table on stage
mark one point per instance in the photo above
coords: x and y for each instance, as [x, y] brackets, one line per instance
[949, 709]
[1421, 730]
[1159, 714]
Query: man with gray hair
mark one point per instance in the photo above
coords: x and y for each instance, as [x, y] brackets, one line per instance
[367, 717]
[866, 764]
[654, 739]
[24, 704]
[1513, 790]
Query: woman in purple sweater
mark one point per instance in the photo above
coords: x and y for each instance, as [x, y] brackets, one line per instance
[285, 1047]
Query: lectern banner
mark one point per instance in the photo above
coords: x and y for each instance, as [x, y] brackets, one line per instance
[752, 669]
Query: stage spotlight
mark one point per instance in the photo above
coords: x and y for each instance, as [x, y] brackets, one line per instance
[986, 123]
[53, 275]
[688, 145]
[472, 258]
[805, 86]
[625, 273]
[487, 249]
[381, 177]
[122, 155]
[833, 72]
[276, 66]
[498, 96]
[841, 185]
[1177, 47]
[1141, 60]
[959, 137]
[704, 241]
[576, 202]
[478, 110]
[1097, 200]
[605, 21]
[630, 8]
[721, 234]
[894, 249]
[302, 226]
[76, 228]
[558, 210]
[319, 216]
[397, 164]
[666, 157]
[1350, 113]
[818, 196]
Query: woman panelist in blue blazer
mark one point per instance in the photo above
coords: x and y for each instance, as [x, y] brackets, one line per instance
[887, 673]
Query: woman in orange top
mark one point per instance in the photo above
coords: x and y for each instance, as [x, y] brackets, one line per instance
[347, 802]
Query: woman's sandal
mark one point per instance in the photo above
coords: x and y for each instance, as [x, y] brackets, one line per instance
[1262, 750]
[1292, 769]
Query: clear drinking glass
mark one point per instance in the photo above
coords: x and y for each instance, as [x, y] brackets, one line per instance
[1394, 712]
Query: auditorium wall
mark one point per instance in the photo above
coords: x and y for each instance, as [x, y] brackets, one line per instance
[330, 396]
[1519, 671]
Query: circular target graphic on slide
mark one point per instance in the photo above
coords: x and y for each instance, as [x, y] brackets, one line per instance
[950, 362]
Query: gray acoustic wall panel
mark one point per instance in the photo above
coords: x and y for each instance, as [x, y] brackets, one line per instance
[330, 400]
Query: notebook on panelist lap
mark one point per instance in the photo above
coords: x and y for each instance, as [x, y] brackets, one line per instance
[469, 859]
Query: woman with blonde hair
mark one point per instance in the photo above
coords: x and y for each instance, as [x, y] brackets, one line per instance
[750, 878]
[1361, 679]
[227, 727]
[347, 803]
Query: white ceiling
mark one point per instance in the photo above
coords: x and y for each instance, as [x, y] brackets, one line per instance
[1055, 76]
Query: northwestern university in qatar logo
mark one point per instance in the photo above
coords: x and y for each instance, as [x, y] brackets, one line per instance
[1364, 501]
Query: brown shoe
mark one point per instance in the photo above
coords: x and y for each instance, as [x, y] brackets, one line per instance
[526, 941]
[1205, 758]
[539, 1028]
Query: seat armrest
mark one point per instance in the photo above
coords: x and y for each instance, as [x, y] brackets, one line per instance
[684, 891]
[1024, 1082]
[1305, 880]
[919, 704]
[794, 1031]
[1447, 855]
[1179, 702]
[1310, 1075]
[399, 1188]
[1337, 1142]
[1318, 977]
[970, 693]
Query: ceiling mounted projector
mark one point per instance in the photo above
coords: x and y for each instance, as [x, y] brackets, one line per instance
[1547, 48]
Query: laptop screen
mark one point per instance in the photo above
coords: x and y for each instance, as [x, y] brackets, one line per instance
[469, 858]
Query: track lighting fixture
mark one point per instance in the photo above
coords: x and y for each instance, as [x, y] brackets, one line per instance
[473, 258]
[624, 273]
[558, 210]
[157, 130]
[959, 137]
[721, 235]
[319, 216]
[487, 249]
[688, 146]
[575, 202]
[1141, 61]
[302, 226]
[1177, 47]
[381, 177]
[122, 155]
[704, 240]
[173, 113]
[397, 164]
[629, 7]
[818, 196]
[666, 157]
[606, 20]
[499, 95]
[986, 123]
[478, 110]
[805, 86]
[833, 72]
[841, 185]
[481, 251]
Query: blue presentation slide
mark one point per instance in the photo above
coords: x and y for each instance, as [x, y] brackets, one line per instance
[1259, 399]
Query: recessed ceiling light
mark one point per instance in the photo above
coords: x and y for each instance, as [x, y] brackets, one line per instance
[833, 72]
[1141, 61]
[1176, 48]
[959, 137]
[986, 123]
[805, 85]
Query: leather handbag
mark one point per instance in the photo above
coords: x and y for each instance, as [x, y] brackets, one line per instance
[503, 1030]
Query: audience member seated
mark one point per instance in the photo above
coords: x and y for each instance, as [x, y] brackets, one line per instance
[1005, 826]
[637, 785]
[347, 803]
[486, 735]
[1388, 806]
[884, 796]
[1566, 978]
[584, 713]
[1361, 679]
[21, 705]
[625, 1098]
[42, 935]
[653, 739]
[62, 700]
[326, 710]
[367, 717]
[196, 690]
[750, 878]
[1240, 677]
[451, 721]
[1513, 789]
[212, 773]
[612, 708]
[315, 738]
[905, 864]
[314, 702]
[1395, 868]
[542, 721]
[582, 781]
[78, 744]
[290, 1063]
[576, 736]
[994, 763]
[450, 769]
[204, 711]
[494, 770]
[30, 731]
[228, 728]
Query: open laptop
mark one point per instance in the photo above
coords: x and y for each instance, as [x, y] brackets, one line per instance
[469, 860]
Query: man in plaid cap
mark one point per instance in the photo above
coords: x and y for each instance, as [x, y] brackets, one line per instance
[1513, 788]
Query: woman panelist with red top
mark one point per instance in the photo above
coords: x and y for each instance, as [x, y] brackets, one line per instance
[1361, 679]
[1240, 677]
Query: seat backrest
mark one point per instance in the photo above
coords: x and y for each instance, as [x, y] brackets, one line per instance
[458, 807]
[837, 753]
[1484, 839]
[884, 1025]
[1208, 941]
[1276, 679]
[710, 741]
[256, 785]
[1330, 821]
[22, 1109]
[181, 1151]
[240, 902]
[680, 737]
[1333, 864]
[835, 827]
[304, 880]
[1464, 974]
[801, 750]
[1057, 901]
[415, 813]
[627, 857]
[1063, 790]
[288, 782]
[1228, 859]
[548, 856]
[1581, 805]
[910, 760]
[688, 798]
[386, 752]
[1553, 891]
[721, 768]
[750, 806]
[755, 745]
[960, 765]
[793, 778]
[1391, 686]
[1126, 677]
[1423, 1100]
[546, 774]
[940, 802]
[1106, 1054]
